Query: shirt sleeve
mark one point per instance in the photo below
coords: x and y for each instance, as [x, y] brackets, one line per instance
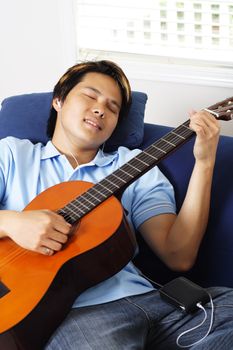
[5, 159]
[150, 195]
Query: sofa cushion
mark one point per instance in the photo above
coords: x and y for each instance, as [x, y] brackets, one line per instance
[25, 116]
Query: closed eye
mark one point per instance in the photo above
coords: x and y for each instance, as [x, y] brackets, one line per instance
[113, 109]
[92, 96]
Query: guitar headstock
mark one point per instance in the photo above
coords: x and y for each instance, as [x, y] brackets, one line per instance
[222, 110]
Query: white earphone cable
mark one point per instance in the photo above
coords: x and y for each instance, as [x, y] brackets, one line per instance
[67, 144]
[199, 325]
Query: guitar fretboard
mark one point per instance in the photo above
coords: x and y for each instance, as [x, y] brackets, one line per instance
[126, 174]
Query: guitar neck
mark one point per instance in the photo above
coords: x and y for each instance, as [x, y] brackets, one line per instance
[121, 178]
[129, 172]
[147, 159]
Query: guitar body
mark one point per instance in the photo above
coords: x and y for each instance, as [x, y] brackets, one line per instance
[42, 289]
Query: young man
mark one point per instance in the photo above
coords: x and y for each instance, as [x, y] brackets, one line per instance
[124, 311]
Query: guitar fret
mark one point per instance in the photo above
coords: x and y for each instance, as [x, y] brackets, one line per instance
[89, 193]
[134, 167]
[82, 202]
[178, 135]
[170, 143]
[72, 204]
[142, 161]
[156, 153]
[184, 133]
[147, 159]
[123, 178]
[71, 211]
[73, 217]
[163, 144]
[100, 193]
[85, 196]
[187, 127]
[161, 150]
[68, 215]
[173, 138]
[150, 155]
[118, 178]
[105, 188]
[136, 162]
[112, 183]
[80, 205]
[128, 174]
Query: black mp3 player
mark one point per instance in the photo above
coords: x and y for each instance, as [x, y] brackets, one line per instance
[184, 294]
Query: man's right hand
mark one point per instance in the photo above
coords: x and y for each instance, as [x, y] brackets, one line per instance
[41, 231]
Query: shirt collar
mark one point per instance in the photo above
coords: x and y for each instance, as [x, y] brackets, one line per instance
[49, 151]
[101, 158]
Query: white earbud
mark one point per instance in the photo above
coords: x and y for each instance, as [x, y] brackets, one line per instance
[59, 103]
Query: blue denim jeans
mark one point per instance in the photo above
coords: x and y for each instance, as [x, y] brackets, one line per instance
[145, 322]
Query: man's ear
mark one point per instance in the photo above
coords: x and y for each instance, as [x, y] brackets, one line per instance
[57, 104]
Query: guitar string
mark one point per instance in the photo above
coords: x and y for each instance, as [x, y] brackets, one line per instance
[166, 138]
[83, 199]
[78, 203]
[164, 148]
[19, 252]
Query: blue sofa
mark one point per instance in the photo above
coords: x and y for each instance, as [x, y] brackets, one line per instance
[213, 264]
[25, 116]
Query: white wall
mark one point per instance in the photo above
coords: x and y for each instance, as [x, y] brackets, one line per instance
[33, 48]
[36, 48]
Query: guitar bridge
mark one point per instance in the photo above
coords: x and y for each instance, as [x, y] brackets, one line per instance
[3, 289]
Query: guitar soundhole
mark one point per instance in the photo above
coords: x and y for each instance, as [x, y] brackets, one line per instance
[3, 289]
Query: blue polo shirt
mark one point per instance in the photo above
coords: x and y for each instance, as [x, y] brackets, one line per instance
[27, 169]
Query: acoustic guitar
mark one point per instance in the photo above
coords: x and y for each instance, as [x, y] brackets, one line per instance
[37, 291]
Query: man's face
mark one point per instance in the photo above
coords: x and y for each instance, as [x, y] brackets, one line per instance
[90, 111]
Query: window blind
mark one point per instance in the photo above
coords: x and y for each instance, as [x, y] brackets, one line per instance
[188, 29]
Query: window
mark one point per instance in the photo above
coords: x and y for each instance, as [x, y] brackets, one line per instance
[200, 32]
